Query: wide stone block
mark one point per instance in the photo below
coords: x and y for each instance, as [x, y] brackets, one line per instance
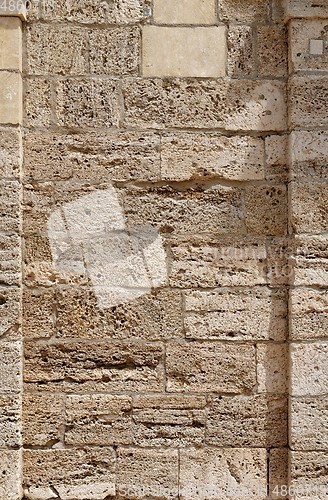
[10, 152]
[212, 473]
[184, 12]
[257, 421]
[10, 314]
[272, 368]
[308, 474]
[309, 369]
[309, 211]
[37, 103]
[10, 367]
[10, 435]
[308, 101]
[257, 313]
[302, 56]
[10, 466]
[310, 260]
[309, 154]
[309, 313]
[43, 419]
[272, 51]
[210, 367]
[184, 51]
[243, 105]
[10, 98]
[309, 423]
[266, 209]
[247, 11]
[10, 43]
[306, 8]
[241, 51]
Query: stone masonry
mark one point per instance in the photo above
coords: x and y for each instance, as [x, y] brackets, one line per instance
[164, 265]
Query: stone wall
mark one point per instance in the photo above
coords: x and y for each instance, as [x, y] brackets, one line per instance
[173, 227]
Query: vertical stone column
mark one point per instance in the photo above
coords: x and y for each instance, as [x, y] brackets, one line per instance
[308, 121]
[10, 251]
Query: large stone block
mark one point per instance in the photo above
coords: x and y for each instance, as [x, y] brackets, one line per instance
[302, 56]
[247, 11]
[309, 154]
[308, 473]
[309, 211]
[10, 314]
[272, 51]
[309, 423]
[210, 367]
[10, 411]
[309, 370]
[257, 313]
[10, 43]
[10, 152]
[184, 12]
[308, 101]
[10, 367]
[309, 313]
[257, 421]
[310, 260]
[43, 419]
[37, 102]
[266, 209]
[224, 104]
[241, 52]
[10, 472]
[10, 98]
[306, 8]
[184, 51]
[272, 368]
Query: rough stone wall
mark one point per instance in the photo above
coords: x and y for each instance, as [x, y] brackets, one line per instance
[207, 129]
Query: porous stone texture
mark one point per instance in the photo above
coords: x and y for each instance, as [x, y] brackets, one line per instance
[309, 97]
[309, 474]
[244, 12]
[309, 309]
[309, 368]
[10, 471]
[306, 8]
[302, 32]
[309, 423]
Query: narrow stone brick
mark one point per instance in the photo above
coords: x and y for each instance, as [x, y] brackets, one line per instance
[309, 154]
[308, 473]
[9, 310]
[272, 368]
[301, 34]
[10, 98]
[10, 152]
[10, 366]
[184, 12]
[308, 101]
[266, 209]
[309, 423]
[10, 206]
[278, 472]
[10, 260]
[10, 435]
[10, 485]
[309, 211]
[309, 313]
[209, 367]
[43, 419]
[241, 60]
[272, 51]
[38, 313]
[276, 151]
[247, 11]
[309, 371]
[10, 43]
[37, 103]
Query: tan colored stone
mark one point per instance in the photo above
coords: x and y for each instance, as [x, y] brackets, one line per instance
[272, 368]
[309, 370]
[272, 51]
[311, 260]
[276, 151]
[309, 211]
[306, 8]
[278, 472]
[222, 473]
[183, 51]
[151, 473]
[9, 206]
[309, 423]
[10, 259]
[228, 104]
[241, 58]
[184, 12]
[209, 367]
[37, 103]
[308, 101]
[38, 313]
[309, 154]
[10, 435]
[266, 209]
[232, 314]
[302, 32]
[245, 11]
[10, 485]
[9, 311]
[10, 98]
[308, 474]
[43, 419]
[278, 10]
[187, 156]
[98, 419]
[88, 473]
[10, 43]
[10, 366]
[309, 313]
[257, 421]
[10, 152]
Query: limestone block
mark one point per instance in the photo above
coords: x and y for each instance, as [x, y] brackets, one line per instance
[241, 59]
[10, 259]
[247, 11]
[9, 310]
[309, 370]
[37, 102]
[311, 260]
[183, 51]
[257, 421]
[309, 101]
[195, 155]
[150, 473]
[278, 471]
[9, 206]
[10, 152]
[10, 485]
[87, 103]
[184, 12]
[309, 211]
[266, 209]
[10, 43]
[43, 419]
[222, 473]
[10, 366]
[272, 51]
[98, 419]
[10, 435]
[92, 156]
[309, 423]
[96, 366]
[278, 10]
[49, 50]
[302, 32]
[169, 420]
[272, 368]
[309, 154]
[309, 313]
[228, 104]
[87, 473]
[308, 472]
[306, 8]
[115, 51]
[38, 202]
[210, 367]
[38, 313]
[10, 98]
[231, 314]
[276, 147]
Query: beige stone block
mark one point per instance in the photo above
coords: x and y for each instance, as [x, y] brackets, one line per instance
[38, 203]
[272, 51]
[309, 370]
[187, 156]
[43, 419]
[309, 154]
[184, 12]
[246, 11]
[278, 10]
[87, 473]
[302, 32]
[88, 103]
[309, 101]
[10, 206]
[310, 260]
[272, 368]
[210, 367]
[308, 473]
[10, 366]
[184, 51]
[229, 104]
[98, 419]
[95, 366]
[309, 313]
[241, 51]
[152, 473]
[309, 211]
[232, 314]
[276, 152]
[10, 98]
[10, 43]
[38, 313]
[280, 261]
[10, 435]
[257, 421]
[309, 423]
[10, 317]
[306, 8]
[37, 102]
[10, 466]
[278, 472]
[266, 209]
[10, 259]
[169, 420]
[222, 473]
[10, 152]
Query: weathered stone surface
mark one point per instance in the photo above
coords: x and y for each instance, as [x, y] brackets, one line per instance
[10, 98]
[38, 201]
[184, 51]
[247, 421]
[87, 473]
[309, 211]
[169, 420]
[245, 11]
[309, 313]
[10, 485]
[301, 34]
[10, 260]
[276, 151]
[38, 313]
[308, 101]
[209, 367]
[272, 51]
[10, 435]
[10, 366]
[266, 209]
[241, 59]
[222, 473]
[43, 419]
[272, 368]
[101, 366]
[98, 419]
[309, 370]
[311, 260]
[229, 104]
[10, 152]
[135, 473]
[115, 51]
[278, 471]
[306, 8]
[9, 206]
[309, 154]
[308, 472]
[184, 12]
[243, 314]
[37, 102]
[309, 423]
[10, 43]
[87, 103]
[278, 10]
[187, 156]
[9, 310]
